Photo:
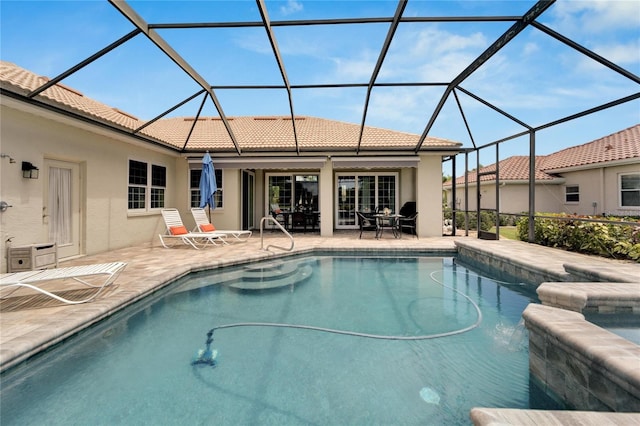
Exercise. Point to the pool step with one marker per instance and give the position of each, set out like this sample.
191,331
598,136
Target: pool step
260,276
288,275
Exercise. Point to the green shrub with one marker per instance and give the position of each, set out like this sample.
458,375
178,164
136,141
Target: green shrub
575,234
487,219
507,220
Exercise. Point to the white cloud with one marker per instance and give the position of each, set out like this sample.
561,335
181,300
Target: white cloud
625,55
608,28
596,15
403,108
435,55
628,53
253,42
530,48
291,7
357,69
436,42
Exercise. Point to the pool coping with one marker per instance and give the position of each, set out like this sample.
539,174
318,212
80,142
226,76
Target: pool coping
584,364
563,324
511,416
592,297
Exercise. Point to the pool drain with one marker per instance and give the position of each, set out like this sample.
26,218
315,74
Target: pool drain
429,396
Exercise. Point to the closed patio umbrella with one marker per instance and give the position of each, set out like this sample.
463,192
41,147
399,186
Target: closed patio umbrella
208,185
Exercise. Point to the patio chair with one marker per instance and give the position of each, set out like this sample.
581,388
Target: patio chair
177,231
409,224
204,225
106,272
366,224
280,215
299,221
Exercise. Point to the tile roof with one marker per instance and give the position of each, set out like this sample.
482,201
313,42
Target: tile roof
514,168
254,134
618,147
622,145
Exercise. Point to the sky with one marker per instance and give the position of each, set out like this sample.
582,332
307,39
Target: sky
535,79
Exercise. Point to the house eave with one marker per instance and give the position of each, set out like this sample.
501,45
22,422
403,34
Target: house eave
598,165
554,181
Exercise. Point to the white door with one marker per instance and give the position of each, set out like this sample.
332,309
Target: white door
61,212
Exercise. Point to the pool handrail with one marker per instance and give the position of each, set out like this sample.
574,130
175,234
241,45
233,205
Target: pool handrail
273,220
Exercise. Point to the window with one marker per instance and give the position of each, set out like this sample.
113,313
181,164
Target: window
387,193
280,192
147,186
158,185
194,187
364,193
630,190
572,194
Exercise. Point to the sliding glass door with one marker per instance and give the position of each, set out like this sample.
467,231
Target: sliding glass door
364,193
292,192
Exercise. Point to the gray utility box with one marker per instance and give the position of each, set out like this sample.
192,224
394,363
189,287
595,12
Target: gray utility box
32,257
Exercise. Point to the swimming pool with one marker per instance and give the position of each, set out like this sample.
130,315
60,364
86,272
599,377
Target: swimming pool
137,367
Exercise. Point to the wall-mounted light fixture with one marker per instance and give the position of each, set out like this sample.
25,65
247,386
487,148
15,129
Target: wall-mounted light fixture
29,171
11,160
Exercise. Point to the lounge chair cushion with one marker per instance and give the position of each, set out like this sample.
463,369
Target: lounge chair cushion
178,230
207,227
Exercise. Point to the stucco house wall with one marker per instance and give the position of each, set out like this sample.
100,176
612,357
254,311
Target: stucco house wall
102,160
597,185
104,222
590,186
611,197
514,197
227,217
612,201
429,196
599,189
594,167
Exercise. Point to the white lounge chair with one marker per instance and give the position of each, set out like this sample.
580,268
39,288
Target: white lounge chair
177,231
82,274
203,225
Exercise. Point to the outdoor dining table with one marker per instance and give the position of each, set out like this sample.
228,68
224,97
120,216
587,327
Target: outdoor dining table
391,221
311,219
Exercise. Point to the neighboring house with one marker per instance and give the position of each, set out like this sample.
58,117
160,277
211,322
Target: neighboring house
599,177
100,188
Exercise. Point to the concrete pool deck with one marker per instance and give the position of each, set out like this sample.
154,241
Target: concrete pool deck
32,323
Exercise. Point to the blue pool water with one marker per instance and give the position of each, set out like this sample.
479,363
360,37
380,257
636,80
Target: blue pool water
136,368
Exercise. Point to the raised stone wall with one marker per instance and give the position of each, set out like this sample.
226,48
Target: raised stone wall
486,260
585,365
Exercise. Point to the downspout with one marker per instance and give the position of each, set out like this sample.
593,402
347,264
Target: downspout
602,201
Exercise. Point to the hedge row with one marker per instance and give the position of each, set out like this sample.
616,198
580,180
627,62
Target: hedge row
573,233
487,219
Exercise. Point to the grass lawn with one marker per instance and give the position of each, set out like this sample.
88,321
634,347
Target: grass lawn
509,232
